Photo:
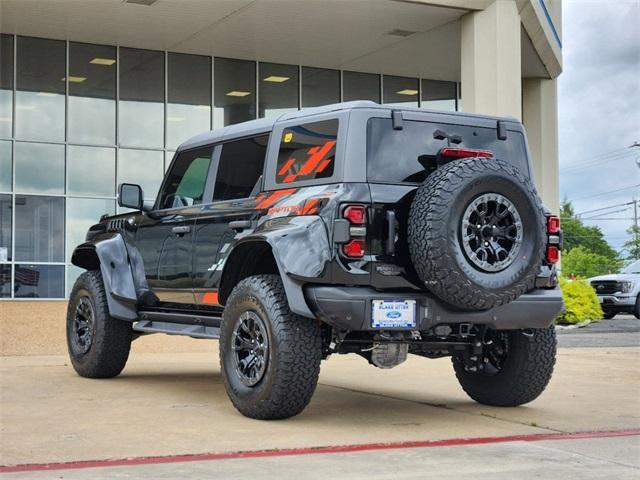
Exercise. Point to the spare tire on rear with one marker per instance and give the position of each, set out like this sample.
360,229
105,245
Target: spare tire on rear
476,233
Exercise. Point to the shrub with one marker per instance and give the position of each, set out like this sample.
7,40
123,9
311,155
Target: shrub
580,301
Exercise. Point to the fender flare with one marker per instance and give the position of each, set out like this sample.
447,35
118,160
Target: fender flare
301,249
110,254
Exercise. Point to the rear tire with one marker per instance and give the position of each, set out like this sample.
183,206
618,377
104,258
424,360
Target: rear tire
608,315
269,357
524,374
98,344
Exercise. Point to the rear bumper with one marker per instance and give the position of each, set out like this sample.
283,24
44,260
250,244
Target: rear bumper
349,308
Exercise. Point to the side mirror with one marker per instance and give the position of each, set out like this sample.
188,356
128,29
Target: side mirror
130,196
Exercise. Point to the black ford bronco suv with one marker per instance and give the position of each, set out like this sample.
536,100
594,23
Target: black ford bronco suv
351,228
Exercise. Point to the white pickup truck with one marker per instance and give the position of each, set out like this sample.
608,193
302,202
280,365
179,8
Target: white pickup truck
619,292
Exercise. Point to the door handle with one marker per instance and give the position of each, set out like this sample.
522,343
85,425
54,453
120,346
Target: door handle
239,224
181,230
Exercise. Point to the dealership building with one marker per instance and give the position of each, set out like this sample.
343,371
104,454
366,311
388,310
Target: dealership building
98,92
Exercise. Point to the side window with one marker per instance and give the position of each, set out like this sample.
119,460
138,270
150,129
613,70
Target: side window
187,178
241,164
307,151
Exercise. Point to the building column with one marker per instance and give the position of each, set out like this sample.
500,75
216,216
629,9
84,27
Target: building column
490,60
540,118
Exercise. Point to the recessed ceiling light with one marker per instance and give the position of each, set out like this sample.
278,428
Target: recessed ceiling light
46,94
398,32
73,79
407,91
276,79
103,61
5,119
203,107
140,2
25,107
175,119
237,93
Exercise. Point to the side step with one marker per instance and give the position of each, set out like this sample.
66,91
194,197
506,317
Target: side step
195,331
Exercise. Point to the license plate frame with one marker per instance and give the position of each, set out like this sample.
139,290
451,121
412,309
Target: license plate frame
394,313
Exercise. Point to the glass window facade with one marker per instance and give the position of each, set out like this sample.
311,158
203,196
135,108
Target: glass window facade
92,94
320,86
6,85
76,119
279,89
40,89
360,86
400,91
188,97
439,95
235,91
141,108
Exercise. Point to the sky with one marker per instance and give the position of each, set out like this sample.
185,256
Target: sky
599,111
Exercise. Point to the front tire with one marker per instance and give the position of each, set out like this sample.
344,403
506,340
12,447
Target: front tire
516,373
98,344
269,357
608,315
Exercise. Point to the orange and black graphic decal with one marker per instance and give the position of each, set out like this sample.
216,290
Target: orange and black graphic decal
266,200
309,164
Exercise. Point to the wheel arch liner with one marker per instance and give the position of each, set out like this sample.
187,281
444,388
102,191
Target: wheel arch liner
110,253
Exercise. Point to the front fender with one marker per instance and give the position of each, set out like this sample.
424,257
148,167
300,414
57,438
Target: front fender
109,252
300,246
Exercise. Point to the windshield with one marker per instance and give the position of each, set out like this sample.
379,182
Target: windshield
633,268
399,156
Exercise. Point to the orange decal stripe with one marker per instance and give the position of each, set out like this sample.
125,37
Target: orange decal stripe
210,298
323,165
310,207
274,197
286,166
313,161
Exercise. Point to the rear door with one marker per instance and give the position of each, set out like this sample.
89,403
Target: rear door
236,183
165,238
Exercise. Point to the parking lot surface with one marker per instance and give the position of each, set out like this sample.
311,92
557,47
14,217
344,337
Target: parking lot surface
175,404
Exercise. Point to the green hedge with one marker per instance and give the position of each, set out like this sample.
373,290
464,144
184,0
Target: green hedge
580,301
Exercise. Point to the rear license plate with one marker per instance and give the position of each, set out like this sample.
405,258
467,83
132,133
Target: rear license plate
393,313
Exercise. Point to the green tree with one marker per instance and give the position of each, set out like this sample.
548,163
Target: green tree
582,262
632,247
577,234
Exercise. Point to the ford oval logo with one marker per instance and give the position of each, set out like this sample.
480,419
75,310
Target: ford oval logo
394,314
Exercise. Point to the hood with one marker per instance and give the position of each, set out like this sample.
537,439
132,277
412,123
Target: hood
617,277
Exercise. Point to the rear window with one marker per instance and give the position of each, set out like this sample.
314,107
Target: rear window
307,151
398,156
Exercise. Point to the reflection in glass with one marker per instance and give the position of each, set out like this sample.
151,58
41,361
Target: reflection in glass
360,86
235,91
5,166
320,86
81,214
39,281
6,85
39,168
5,228
278,89
189,97
92,106
438,95
141,108
5,281
40,89
400,91
39,234
73,273
168,156
142,167
91,171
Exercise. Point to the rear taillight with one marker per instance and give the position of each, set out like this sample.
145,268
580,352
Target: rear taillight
465,152
553,224
356,215
553,254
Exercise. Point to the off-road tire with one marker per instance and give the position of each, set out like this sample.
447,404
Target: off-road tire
524,376
608,315
294,352
435,242
109,348
636,310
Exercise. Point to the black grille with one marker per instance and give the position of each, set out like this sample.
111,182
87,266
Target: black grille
606,287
